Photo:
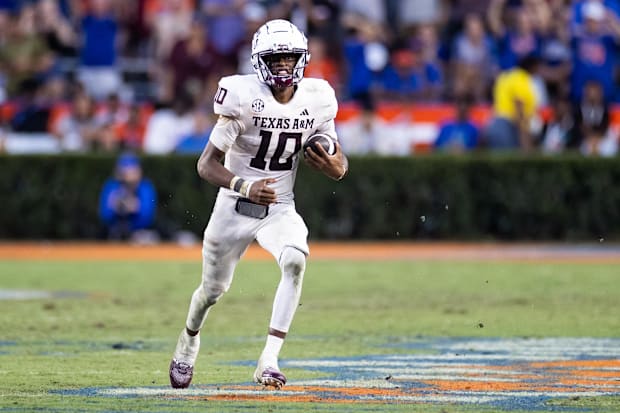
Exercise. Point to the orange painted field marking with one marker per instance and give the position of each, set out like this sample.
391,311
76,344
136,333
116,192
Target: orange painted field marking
81,251
599,385
597,373
579,363
485,386
497,386
308,394
554,376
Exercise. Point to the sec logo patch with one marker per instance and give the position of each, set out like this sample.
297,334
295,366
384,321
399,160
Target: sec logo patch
258,105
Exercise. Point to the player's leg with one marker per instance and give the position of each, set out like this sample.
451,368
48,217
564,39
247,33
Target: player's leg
217,274
286,238
292,264
219,261
223,245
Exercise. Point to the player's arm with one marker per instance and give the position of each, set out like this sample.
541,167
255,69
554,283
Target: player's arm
335,166
211,169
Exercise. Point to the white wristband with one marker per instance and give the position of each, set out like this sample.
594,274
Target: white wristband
245,188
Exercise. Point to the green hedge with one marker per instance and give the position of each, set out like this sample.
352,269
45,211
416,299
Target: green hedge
434,197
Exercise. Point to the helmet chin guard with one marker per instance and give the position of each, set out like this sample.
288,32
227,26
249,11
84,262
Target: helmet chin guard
278,37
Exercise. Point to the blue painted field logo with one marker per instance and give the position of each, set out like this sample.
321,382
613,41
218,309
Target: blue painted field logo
508,374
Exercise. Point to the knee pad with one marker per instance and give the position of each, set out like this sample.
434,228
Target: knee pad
293,263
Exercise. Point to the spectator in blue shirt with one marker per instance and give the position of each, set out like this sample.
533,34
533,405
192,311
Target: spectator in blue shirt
127,200
555,51
195,141
459,135
514,41
594,47
98,55
364,56
409,78
226,29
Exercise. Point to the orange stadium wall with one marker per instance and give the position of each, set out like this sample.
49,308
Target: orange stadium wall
412,128
404,129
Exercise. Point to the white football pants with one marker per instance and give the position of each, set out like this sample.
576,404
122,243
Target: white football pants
228,234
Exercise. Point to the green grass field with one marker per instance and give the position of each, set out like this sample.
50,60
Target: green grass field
120,333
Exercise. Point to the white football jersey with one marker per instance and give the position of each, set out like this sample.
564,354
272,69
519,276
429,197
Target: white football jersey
271,133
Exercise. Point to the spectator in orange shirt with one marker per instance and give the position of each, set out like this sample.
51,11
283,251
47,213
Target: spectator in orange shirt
130,134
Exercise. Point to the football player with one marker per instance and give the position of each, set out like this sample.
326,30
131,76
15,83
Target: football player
263,124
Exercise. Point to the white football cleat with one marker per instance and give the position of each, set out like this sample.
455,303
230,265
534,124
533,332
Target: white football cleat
269,375
182,364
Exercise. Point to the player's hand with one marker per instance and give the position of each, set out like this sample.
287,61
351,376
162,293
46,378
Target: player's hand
330,165
262,193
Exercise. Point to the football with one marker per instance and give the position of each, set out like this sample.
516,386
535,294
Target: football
321,139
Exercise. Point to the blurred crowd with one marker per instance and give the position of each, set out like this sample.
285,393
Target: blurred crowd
114,75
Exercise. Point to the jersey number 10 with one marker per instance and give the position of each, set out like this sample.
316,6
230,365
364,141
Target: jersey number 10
276,163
